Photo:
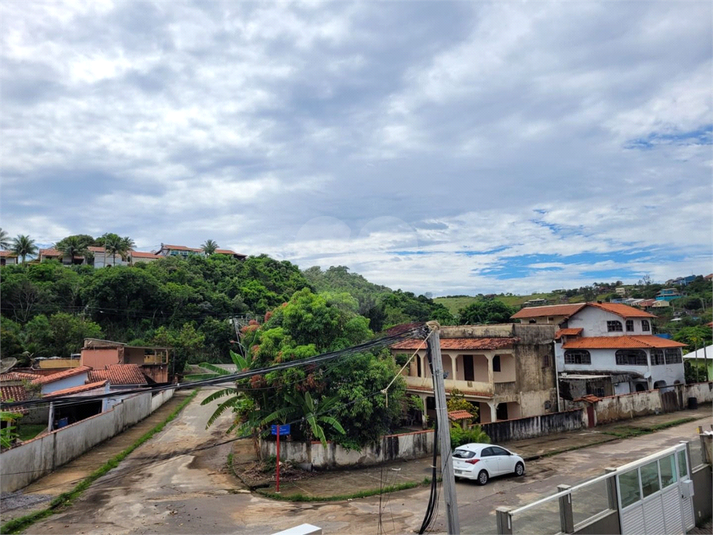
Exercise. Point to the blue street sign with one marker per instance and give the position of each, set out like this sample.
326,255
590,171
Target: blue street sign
284,429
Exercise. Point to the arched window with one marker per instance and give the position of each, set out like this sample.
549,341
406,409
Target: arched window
577,356
631,357
496,363
645,326
630,326
614,326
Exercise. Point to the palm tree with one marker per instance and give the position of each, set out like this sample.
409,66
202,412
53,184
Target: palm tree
4,240
112,245
209,247
23,246
72,246
126,245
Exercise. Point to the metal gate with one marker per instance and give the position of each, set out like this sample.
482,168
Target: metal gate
655,494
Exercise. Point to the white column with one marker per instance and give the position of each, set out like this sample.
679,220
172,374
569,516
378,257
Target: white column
493,411
453,366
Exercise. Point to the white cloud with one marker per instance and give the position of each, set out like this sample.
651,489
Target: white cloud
314,132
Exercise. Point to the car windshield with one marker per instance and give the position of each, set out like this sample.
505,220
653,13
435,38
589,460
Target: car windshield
463,454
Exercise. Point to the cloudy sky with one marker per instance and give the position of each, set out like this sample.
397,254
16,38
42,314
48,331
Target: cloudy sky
432,146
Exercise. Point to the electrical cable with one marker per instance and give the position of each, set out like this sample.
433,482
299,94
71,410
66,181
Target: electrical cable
388,339
431,508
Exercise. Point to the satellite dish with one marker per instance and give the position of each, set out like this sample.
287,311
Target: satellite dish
6,364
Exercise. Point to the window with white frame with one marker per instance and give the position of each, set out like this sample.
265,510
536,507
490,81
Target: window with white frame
631,357
645,326
577,356
614,326
630,326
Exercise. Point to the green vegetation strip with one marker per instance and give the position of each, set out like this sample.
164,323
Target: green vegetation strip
633,431
66,498
342,497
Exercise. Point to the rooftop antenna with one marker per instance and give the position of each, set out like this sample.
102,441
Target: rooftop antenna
7,363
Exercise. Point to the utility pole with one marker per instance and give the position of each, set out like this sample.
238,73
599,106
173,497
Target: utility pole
444,430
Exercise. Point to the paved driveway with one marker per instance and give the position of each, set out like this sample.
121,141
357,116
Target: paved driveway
178,483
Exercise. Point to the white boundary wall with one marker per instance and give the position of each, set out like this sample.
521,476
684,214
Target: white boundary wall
22,465
313,455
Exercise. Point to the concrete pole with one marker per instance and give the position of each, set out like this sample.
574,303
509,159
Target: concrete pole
444,430
50,424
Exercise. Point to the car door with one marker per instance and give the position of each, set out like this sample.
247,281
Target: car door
489,462
505,462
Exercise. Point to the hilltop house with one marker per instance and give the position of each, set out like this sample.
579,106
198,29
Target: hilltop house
7,258
98,257
184,252
668,294
507,371
606,349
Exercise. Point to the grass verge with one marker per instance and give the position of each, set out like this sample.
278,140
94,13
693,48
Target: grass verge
635,431
66,498
342,497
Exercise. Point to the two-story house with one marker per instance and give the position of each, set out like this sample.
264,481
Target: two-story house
606,349
668,294
184,252
507,371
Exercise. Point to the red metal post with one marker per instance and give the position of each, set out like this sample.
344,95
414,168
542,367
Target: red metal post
277,464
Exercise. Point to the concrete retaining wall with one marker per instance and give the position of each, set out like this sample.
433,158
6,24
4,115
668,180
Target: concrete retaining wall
313,455
22,465
535,426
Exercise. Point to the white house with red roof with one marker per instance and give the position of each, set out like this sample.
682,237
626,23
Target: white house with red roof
184,252
607,348
62,380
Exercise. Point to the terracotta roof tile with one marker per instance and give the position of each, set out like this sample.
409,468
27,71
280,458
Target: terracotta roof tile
548,310
47,379
141,254
50,252
568,332
17,376
8,254
14,393
621,342
76,389
182,248
459,415
625,311
228,252
452,344
120,374
589,398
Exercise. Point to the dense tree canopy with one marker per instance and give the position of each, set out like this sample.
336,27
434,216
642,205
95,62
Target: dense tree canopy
189,303
486,312
350,387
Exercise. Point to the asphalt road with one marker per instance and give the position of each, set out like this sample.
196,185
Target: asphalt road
178,483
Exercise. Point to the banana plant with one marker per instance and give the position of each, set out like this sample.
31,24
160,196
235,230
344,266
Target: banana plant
235,396
314,414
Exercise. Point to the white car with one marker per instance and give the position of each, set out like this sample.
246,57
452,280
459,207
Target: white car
483,461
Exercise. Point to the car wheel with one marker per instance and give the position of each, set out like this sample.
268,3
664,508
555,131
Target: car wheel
482,477
519,469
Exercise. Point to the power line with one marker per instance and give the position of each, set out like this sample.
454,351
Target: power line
408,331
